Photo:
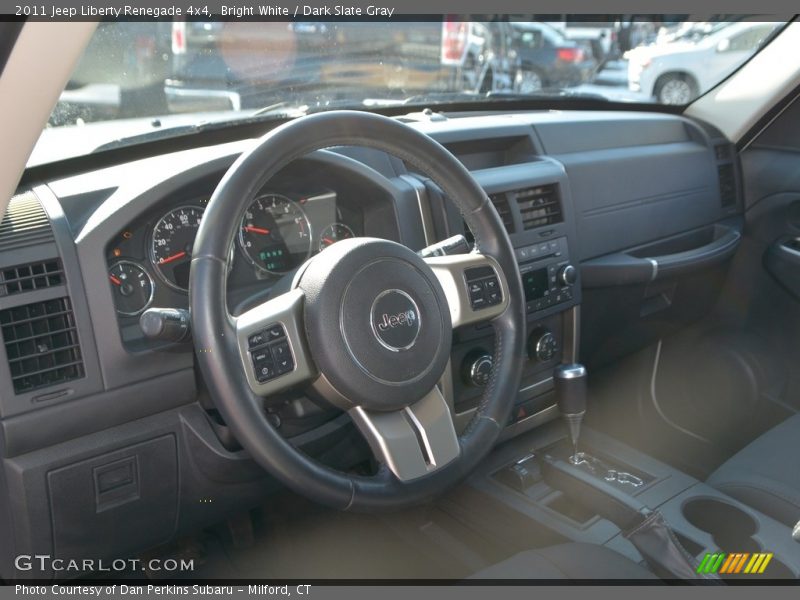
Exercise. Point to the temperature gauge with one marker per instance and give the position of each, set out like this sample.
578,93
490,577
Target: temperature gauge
335,232
132,287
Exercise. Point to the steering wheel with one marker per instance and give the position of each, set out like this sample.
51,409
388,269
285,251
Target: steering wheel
367,323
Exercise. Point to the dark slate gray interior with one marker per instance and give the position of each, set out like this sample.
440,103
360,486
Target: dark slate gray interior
687,272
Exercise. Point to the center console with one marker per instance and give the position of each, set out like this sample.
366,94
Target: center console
532,197
514,483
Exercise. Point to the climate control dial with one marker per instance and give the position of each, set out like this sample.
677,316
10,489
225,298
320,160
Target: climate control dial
542,345
477,368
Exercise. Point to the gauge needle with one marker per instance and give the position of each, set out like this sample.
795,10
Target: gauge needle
115,280
260,230
172,258
328,240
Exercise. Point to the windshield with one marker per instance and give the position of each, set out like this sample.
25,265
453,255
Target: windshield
143,80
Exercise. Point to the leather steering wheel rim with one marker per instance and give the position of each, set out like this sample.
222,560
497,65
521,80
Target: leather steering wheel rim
214,329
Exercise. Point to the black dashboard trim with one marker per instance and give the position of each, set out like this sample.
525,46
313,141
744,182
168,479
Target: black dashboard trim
67,421
248,129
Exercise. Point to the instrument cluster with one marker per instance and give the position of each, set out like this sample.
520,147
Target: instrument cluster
149,263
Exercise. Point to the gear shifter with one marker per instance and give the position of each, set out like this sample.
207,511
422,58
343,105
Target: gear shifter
570,385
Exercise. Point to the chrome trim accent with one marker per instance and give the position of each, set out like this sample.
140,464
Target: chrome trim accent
151,249
446,386
535,420
653,262
285,310
450,271
240,235
414,441
149,278
789,249
572,328
569,371
535,385
377,335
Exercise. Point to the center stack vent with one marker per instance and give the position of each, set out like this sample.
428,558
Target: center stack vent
503,208
540,206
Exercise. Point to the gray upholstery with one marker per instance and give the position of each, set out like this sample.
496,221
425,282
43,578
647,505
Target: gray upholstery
766,473
566,561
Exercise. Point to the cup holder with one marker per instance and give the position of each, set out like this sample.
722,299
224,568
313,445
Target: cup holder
732,530
730,527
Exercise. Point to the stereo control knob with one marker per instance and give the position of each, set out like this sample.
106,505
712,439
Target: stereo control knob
477,368
542,345
567,275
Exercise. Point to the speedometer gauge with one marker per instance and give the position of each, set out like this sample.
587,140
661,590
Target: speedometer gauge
275,234
171,249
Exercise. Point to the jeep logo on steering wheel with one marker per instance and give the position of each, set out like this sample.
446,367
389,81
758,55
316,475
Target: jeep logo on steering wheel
404,318
395,320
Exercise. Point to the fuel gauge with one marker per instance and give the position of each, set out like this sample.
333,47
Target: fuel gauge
132,287
335,232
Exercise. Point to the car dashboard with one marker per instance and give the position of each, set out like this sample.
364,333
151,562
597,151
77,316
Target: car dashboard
621,224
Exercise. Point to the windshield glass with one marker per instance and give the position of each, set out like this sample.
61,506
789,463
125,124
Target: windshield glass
144,80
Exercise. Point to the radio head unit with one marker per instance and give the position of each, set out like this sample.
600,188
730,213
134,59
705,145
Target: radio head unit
547,275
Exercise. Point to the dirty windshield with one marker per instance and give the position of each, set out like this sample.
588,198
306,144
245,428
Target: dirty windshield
142,80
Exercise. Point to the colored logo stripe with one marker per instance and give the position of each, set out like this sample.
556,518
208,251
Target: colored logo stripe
737,562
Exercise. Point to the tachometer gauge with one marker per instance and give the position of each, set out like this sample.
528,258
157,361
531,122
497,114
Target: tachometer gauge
335,232
171,250
131,286
275,234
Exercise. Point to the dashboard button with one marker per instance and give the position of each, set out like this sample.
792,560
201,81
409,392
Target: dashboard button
262,356
257,339
283,358
275,333
265,372
477,295
478,302
280,351
284,366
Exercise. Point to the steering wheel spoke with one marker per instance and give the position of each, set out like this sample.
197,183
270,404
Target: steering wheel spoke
474,284
272,346
414,441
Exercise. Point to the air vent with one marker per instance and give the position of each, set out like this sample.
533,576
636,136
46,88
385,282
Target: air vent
727,184
42,345
500,202
32,276
540,206
25,223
